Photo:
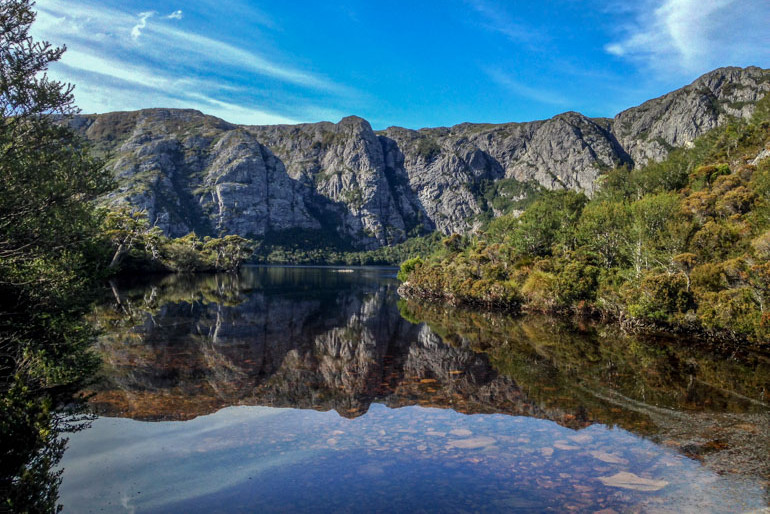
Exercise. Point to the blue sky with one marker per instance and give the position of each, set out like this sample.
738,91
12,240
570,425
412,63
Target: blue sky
406,63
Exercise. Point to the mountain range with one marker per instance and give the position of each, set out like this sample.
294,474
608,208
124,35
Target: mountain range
363,189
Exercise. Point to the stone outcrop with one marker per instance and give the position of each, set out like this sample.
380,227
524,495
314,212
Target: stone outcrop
364,189
648,132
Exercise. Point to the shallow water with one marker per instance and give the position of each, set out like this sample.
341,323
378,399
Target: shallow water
309,389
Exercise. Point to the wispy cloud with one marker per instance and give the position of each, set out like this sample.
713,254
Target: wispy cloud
530,92
146,455
105,93
497,19
143,17
692,36
121,62
205,47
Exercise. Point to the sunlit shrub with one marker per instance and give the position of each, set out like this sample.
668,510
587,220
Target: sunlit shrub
541,289
407,267
660,296
736,310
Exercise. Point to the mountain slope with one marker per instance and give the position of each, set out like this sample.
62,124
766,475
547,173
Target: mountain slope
365,189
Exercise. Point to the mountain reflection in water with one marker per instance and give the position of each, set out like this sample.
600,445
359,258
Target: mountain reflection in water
181,347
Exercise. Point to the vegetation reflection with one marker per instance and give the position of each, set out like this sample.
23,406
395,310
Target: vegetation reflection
186,346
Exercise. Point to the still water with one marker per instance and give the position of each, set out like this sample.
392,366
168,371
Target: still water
316,389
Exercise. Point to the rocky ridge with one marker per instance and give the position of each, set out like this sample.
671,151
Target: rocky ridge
364,189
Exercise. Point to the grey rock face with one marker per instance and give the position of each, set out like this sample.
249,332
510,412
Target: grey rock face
648,132
367,189
192,172
344,165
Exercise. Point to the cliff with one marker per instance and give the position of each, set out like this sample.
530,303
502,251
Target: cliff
364,189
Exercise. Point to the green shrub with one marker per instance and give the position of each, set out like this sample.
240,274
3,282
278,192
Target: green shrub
541,289
407,267
660,296
736,310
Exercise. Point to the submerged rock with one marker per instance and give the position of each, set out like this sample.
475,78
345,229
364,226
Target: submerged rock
626,480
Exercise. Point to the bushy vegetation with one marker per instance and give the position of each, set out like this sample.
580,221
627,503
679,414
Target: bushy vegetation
51,252
315,249
138,246
427,148
680,244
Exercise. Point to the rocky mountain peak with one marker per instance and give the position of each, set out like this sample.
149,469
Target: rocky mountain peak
365,189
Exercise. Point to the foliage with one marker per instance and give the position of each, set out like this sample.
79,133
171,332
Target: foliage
51,250
545,226
680,243
316,249
138,246
407,267
427,148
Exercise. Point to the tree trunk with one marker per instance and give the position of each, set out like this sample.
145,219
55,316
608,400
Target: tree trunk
116,258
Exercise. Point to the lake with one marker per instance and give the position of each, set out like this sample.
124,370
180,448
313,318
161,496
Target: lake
289,389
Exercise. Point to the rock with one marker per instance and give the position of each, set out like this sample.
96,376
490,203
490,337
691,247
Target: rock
474,442
366,189
625,480
649,131
608,457
761,156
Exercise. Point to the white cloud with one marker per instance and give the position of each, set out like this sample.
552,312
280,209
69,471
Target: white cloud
237,113
171,67
143,17
167,43
615,49
176,15
693,36
205,47
496,19
102,89
530,92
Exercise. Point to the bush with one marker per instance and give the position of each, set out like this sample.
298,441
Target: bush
736,310
577,282
541,289
715,241
661,297
407,267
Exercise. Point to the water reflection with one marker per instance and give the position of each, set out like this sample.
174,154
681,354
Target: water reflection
183,347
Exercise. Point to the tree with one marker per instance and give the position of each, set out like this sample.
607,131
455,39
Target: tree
231,251
656,232
50,250
47,176
126,228
548,223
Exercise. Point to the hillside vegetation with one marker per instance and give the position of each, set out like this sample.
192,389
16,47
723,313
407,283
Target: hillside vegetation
682,244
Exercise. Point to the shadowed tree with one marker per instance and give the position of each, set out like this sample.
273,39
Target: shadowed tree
50,252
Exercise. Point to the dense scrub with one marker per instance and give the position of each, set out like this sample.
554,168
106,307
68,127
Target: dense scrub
682,244
137,246
309,250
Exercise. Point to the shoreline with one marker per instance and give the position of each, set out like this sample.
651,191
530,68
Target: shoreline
722,341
